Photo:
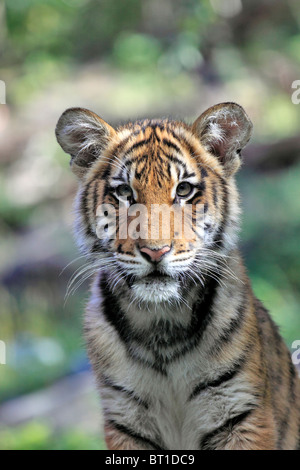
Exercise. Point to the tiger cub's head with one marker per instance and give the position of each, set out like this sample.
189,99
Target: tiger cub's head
135,181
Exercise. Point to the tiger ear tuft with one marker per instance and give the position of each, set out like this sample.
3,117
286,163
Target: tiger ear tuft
83,135
224,130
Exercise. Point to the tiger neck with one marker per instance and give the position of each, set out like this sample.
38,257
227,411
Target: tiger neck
159,323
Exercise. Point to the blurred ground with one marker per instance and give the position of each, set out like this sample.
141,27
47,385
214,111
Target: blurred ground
126,60
70,404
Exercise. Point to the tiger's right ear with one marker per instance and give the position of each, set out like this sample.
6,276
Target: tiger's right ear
83,135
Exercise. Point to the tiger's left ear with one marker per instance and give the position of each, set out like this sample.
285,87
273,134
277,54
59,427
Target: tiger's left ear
224,130
83,135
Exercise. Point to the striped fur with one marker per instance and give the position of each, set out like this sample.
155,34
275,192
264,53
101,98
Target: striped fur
184,355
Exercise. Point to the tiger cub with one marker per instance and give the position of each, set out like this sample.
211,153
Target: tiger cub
184,355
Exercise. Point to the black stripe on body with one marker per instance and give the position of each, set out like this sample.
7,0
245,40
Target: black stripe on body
279,383
138,437
117,318
283,427
95,199
84,210
218,239
234,326
225,377
165,334
109,383
209,441
293,377
215,193
157,364
285,420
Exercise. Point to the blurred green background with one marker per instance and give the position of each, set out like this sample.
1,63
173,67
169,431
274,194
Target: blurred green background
124,60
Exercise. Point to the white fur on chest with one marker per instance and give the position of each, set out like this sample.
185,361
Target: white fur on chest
172,414
183,421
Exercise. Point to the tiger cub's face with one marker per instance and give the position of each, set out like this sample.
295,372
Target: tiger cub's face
156,197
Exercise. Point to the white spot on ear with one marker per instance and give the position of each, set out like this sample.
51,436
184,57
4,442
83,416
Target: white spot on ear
216,132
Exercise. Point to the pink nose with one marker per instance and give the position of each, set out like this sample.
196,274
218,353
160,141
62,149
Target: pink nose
155,255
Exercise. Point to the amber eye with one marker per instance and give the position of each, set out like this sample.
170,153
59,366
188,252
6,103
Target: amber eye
184,189
124,191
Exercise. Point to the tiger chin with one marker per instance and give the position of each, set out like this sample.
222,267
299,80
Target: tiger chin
184,355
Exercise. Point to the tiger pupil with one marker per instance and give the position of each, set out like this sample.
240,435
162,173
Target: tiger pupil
183,189
124,190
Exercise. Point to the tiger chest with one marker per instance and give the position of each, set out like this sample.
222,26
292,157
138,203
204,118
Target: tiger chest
174,419
177,420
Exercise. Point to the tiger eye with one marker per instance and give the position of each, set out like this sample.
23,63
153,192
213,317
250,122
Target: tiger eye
124,191
184,189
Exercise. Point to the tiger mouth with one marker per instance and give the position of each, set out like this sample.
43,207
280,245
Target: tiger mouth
156,278
157,275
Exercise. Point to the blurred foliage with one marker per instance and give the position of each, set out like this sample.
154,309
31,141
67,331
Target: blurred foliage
270,236
39,436
127,59
42,339
251,44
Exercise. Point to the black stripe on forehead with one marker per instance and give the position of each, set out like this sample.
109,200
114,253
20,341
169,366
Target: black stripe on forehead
204,173
113,153
183,141
130,159
159,169
140,170
120,146
122,171
188,175
171,145
176,160
155,132
137,145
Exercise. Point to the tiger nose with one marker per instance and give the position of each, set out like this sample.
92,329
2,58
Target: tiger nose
154,255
